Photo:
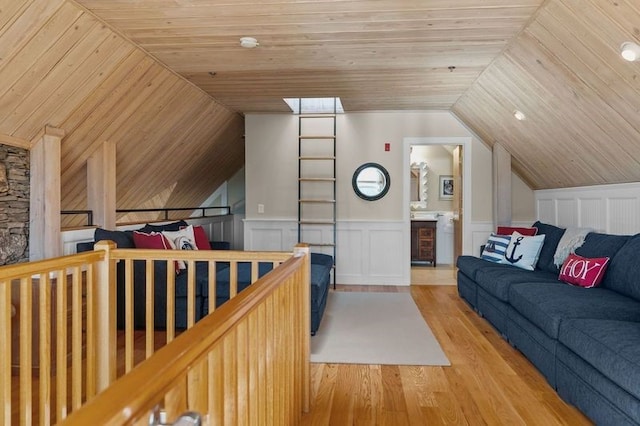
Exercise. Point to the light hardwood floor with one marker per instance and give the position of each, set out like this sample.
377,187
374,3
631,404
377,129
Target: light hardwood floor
488,382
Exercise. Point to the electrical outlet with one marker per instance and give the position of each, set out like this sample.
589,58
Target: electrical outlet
260,208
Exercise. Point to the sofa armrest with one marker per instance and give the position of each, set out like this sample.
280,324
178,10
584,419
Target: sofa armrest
85,246
220,245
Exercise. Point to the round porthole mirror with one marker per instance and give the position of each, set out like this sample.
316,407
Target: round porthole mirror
371,181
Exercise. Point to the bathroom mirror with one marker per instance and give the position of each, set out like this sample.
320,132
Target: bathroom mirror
371,181
418,180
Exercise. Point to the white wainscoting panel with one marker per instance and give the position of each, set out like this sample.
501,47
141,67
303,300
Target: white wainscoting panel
367,252
614,209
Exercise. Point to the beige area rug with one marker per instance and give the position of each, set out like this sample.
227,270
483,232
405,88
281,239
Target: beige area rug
375,328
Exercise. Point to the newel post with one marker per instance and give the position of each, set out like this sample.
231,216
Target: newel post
106,339
303,250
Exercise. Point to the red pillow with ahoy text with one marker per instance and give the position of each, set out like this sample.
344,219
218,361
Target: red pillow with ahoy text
582,271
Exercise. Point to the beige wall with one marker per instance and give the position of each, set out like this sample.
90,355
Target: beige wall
272,169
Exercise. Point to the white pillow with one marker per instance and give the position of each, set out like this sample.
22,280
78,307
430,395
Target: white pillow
183,239
523,251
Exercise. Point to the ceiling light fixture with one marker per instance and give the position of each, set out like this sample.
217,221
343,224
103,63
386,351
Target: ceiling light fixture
248,42
519,115
630,51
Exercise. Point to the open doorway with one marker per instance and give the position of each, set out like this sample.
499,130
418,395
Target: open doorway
435,199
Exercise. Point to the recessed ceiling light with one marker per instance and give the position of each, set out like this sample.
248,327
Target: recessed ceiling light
248,42
630,51
519,115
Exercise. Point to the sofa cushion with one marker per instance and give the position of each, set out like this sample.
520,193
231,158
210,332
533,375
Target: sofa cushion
547,304
552,238
173,226
123,239
612,347
320,278
496,281
601,245
622,275
322,259
223,272
470,265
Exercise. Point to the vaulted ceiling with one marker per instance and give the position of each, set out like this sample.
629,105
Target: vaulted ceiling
167,81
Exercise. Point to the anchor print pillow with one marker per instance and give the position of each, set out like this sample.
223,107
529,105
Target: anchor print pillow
523,251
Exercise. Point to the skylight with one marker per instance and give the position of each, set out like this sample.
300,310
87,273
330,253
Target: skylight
315,105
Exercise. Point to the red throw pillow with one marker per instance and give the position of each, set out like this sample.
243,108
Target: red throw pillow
508,230
583,272
154,240
202,241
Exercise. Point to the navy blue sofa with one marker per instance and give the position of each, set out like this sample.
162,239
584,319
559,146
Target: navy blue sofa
321,265
585,341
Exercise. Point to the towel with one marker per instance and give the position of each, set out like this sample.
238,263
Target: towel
570,241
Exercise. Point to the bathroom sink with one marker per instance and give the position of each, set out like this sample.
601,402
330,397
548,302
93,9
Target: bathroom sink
424,215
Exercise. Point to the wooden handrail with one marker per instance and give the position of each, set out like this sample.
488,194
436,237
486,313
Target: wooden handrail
63,315
130,399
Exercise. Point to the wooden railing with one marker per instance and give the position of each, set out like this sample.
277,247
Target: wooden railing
59,335
245,364
47,337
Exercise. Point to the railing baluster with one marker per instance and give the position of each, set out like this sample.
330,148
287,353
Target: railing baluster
76,338
44,308
150,290
61,346
6,312
171,300
90,332
26,326
129,347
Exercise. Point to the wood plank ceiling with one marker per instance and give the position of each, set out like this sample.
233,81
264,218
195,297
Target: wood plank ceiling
374,54
61,66
154,76
556,60
564,71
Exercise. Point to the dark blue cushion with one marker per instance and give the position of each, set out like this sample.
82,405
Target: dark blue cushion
612,347
320,278
546,305
123,239
496,281
244,277
173,226
551,240
470,265
322,259
623,274
601,245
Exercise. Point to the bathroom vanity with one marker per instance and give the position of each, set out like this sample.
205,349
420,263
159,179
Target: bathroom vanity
423,241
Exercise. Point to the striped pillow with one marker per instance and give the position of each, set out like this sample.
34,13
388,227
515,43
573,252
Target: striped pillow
495,248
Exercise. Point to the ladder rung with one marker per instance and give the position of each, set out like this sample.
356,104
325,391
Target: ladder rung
308,200
317,137
316,222
317,179
317,158
319,115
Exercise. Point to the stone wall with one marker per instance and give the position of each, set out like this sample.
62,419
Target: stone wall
14,205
